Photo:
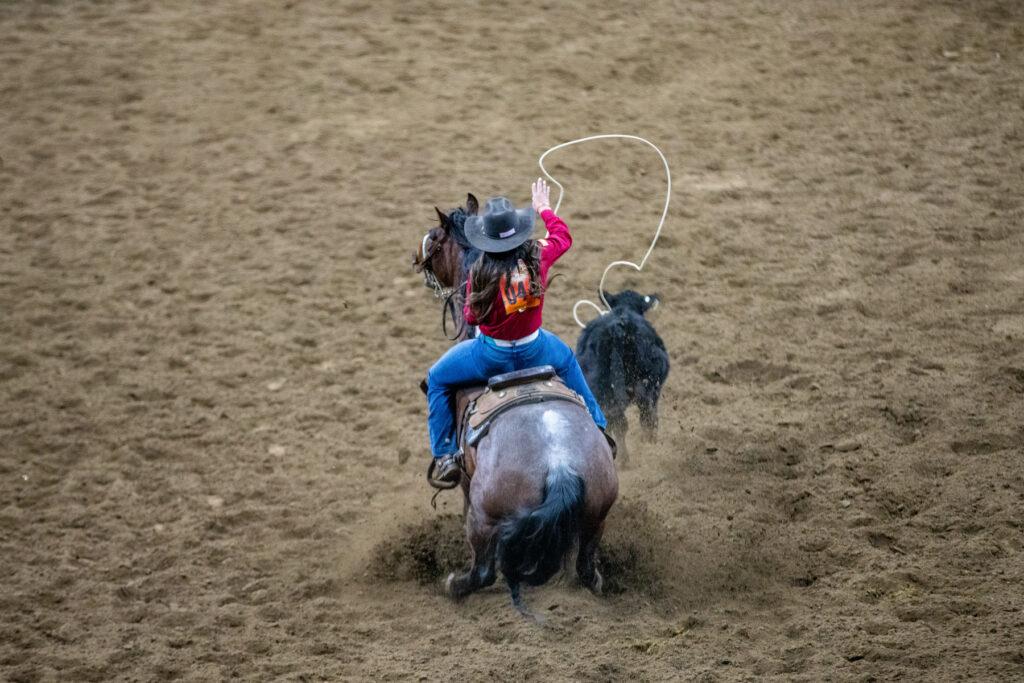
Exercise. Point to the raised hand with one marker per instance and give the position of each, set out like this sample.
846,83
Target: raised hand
541,195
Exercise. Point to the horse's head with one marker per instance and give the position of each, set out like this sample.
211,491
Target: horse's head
440,251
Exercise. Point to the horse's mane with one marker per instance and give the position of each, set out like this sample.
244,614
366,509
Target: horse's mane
457,218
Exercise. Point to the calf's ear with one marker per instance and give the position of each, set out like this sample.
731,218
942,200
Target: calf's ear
612,299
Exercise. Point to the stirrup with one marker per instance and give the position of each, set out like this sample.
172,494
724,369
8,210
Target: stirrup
442,485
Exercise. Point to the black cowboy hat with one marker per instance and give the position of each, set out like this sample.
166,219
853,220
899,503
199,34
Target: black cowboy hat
502,227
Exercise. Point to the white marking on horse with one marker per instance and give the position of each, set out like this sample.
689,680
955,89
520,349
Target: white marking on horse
556,426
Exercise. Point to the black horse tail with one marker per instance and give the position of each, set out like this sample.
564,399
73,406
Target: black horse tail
533,545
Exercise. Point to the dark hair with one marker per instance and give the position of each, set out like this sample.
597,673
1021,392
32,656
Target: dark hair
486,273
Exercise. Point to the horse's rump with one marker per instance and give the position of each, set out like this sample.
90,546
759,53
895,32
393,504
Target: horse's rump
476,407
544,480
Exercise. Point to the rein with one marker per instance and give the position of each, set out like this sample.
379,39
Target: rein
440,291
449,307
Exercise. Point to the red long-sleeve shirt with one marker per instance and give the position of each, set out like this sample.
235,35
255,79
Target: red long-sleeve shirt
522,323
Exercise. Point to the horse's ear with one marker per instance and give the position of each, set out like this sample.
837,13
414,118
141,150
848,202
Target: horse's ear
472,205
441,216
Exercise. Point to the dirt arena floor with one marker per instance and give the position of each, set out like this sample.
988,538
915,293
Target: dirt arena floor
211,440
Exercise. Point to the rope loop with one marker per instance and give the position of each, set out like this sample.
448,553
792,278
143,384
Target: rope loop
664,212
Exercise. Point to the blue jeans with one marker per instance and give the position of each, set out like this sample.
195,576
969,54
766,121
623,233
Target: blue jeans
474,361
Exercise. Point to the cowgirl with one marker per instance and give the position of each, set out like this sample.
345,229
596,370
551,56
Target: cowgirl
505,298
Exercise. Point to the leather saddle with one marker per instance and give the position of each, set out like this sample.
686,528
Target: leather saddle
532,385
476,407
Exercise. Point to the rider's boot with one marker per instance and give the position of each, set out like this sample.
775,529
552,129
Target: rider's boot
449,468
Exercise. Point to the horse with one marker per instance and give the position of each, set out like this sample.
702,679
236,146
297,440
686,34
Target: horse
541,479
443,258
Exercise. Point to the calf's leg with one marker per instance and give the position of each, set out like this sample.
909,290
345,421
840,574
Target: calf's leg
647,403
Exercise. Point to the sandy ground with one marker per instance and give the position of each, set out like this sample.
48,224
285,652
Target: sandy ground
211,440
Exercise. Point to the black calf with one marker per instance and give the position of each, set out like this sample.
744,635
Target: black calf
624,361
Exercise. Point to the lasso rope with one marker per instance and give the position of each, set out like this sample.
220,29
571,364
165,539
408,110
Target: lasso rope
657,233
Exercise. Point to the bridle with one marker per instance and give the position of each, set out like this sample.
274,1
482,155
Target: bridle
424,265
446,294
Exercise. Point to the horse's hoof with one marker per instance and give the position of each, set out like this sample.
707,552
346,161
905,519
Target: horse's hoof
598,584
448,584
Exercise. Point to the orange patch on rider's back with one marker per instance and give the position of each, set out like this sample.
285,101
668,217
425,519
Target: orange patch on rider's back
516,295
